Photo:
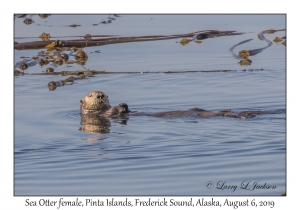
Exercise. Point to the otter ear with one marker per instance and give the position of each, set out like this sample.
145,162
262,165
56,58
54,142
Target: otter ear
81,102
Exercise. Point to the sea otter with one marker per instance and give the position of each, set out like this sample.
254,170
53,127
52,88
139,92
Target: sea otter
97,103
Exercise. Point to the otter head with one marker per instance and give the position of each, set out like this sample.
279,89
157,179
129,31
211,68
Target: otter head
95,102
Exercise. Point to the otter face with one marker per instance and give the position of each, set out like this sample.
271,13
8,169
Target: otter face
95,102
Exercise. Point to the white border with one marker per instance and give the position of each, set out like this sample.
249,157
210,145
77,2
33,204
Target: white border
8,201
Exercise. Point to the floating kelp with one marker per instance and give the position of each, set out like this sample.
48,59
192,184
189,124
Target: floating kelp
81,55
58,58
48,53
49,70
61,43
113,40
17,73
245,62
262,37
43,62
61,52
54,84
238,56
74,25
28,21
277,39
64,56
246,53
82,74
69,81
21,16
212,34
27,17
59,61
53,57
87,36
45,37
198,37
25,64
271,31
81,62
43,16
74,49
184,41
58,45
51,46
90,73
69,62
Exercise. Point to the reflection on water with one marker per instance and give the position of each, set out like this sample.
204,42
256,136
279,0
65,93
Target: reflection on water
59,152
98,124
95,124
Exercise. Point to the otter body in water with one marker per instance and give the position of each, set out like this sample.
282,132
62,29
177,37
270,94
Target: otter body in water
97,103
200,113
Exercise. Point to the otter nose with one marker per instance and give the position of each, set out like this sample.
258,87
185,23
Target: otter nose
100,95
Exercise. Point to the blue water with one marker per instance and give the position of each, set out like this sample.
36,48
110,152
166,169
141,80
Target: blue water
147,155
